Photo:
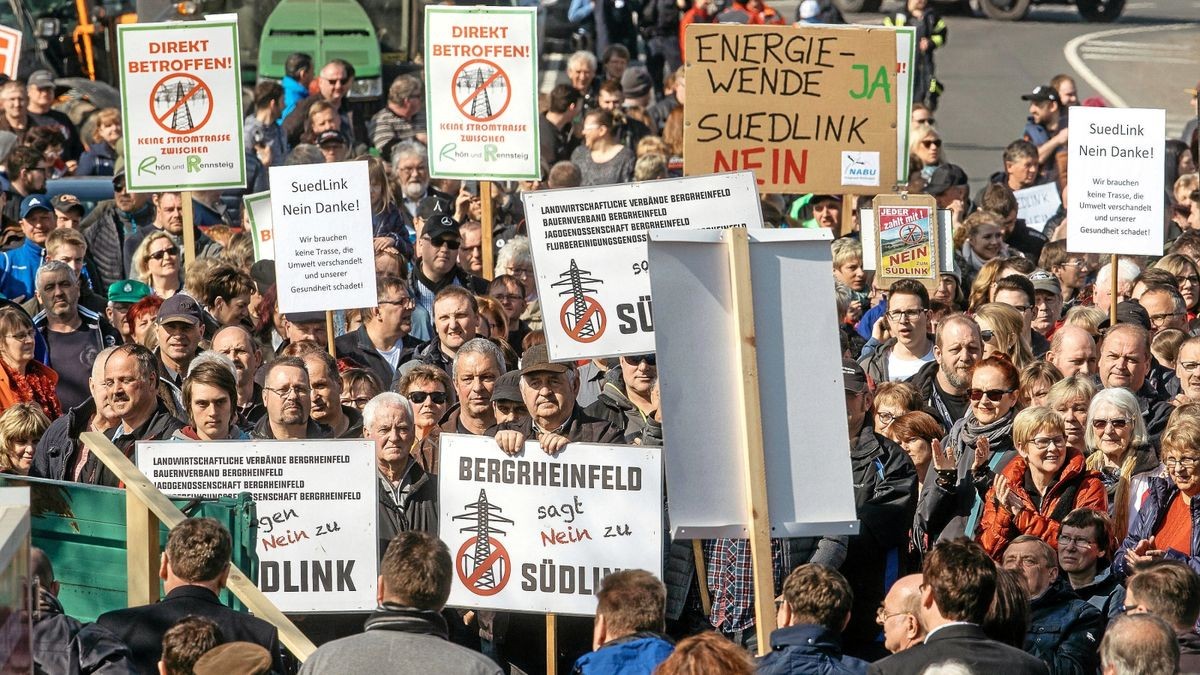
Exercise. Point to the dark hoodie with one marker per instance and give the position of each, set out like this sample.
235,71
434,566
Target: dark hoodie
1065,631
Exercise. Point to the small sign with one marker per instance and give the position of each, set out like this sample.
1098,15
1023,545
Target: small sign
258,213
907,238
10,51
1037,205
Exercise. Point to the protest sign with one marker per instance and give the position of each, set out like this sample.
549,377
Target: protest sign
1115,185
481,92
258,214
804,431
945,249
10,51
316,510
1037,205
589,254
536,532
907,240
807,108
321,225
181,106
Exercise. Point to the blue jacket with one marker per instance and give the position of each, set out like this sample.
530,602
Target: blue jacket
808,649
18,270
293,93
1065,631
1149,519
637,654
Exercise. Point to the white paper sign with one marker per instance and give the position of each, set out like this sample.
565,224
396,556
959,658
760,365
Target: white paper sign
258,213
1115,185
481,92
316,505
1037,205
181,106
538,533
321,218
10,51
589,254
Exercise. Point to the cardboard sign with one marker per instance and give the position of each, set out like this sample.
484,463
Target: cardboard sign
589,254
866,221
808,109
321,216
258,214
181,106
538,533
808,477
481,92
10,51
907,238
1115,185
1037,205
316,509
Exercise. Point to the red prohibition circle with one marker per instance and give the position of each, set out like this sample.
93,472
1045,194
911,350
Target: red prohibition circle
499,555
573,332
464,103
197,85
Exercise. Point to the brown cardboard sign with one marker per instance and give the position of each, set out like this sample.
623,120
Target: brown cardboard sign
906,238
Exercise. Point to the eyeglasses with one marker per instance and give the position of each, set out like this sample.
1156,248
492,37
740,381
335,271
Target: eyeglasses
1044,443
23,336
905,315
337,80
1022,308
521,271
420,168
648,359
991,394
935,143
987,335
159,255
359,402
418,397
1188,463
1117,423
508,297
1077,542
886,417
882,615
298,391
406,303
1156,319
451,244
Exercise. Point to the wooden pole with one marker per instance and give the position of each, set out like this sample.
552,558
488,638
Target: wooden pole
1112,305
142,560
702,577
189,231
551,644
329,334
848,202
485,197
748,416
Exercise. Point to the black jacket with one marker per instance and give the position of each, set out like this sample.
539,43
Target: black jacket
580,427
414,509
105,229
357,347
64,646
142,628
263,431
614,405
1065,631
56,449
965,643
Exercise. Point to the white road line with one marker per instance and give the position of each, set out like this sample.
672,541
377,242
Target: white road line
1071,52
1140,5
1133,59
1139,45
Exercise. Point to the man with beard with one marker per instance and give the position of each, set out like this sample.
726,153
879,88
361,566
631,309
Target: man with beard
288,397
238,344
436,267
944,383
456,320
383,341
131,378
59,454
410,166
107,227
334,83
168,217
27,176
73,334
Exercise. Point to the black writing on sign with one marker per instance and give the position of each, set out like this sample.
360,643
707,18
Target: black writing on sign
306,576
549,577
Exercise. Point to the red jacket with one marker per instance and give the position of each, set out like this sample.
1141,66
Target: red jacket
998,527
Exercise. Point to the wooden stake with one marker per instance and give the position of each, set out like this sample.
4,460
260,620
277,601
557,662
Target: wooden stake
189,232
749,420
485,197
702,577
848,202
329,334
1112,304
142,560
551,644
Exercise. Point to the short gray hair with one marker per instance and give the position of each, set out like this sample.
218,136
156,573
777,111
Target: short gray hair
387,399
516,250
582,56
56,266
409,149
479,346
1139,644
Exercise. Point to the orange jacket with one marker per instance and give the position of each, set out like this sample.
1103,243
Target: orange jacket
998,527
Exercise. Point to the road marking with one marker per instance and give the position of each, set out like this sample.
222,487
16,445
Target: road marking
1140,45
1140,5
1071,52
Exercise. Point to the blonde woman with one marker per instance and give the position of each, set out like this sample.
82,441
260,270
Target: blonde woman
157,263
926,148
21,427
1120,450
1002,331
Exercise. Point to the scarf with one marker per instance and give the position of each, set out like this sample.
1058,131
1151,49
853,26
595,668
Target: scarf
35,387
963,437
391,616
974,262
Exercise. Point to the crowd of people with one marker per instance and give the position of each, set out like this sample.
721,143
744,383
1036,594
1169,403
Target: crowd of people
1024,468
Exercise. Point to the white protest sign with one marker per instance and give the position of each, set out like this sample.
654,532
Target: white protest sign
10,51
805,447
536,532
258,213
1115,185
481,92
589,254
1037,205
321,223
181,106
316,507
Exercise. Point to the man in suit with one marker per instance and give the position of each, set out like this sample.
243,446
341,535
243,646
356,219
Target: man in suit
194,569
960,581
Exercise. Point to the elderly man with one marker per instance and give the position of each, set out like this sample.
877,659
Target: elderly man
68,245
1125,362
478,364
1073,350
1047,303
437,265
334,84
59,453
238,344
1140,643
73,334
288,397
384,339
395,122
899,615
456,320
19,266
407,493
131,378
1127,272
1166,308
944,384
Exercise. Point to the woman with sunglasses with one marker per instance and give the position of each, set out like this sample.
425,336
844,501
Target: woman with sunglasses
428,389
1121,452
156,263
926,148
1057,474
1002,330
23,379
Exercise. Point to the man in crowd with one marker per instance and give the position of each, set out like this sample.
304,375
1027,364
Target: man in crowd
507,404
437,265
73,334
1017,292
814,611
910,346
394,122
109,224
960,581
1082,555
1069,268
1020,166
131,377
40,90
414,584
303,327
326,406
899,615
195,567
334,84
626,130
26,176
1139,643
18,267
554,126
1046,128
456,320
180,326
944,384
67,245
1170,590
209,394
1064,631
470,253
1187,372
59,453
1047,303
383,341
478,364
168,217
1125,362
629,625
1073,350
407,489
288,398
1166,308
510,293
1127,273
239,345
624,398
950,188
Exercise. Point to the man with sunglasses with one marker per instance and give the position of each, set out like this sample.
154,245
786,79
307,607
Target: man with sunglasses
334,84
384,340
437,267
625,395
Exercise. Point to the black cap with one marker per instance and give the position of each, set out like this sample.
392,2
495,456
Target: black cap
305,317
945,177
439,227
1041,94
1129,311
430,207
180,307
853,377
65,202
508,387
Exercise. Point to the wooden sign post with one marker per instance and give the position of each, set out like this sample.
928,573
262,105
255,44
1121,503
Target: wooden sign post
489,217
1112,298
189,233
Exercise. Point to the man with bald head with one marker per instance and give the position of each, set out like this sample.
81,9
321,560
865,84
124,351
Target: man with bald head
1073,350
898,614
944,382
1125,361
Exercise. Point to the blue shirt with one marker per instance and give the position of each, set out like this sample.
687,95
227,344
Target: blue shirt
18,270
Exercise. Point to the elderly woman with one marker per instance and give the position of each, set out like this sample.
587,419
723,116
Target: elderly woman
893,399
1002,331
1164,527
21,427
210,399
22,379
1056,474
157,262
1121,451
429,390
1071,398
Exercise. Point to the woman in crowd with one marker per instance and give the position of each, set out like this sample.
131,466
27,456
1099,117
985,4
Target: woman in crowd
140,318
428,389
1187,279
602,160
1071,398
23,379
1055,471
984,241
1002,331
21,427
359,385
916,432
156,263
100,159
1121,452
210,399
386,222
893,399
493,322
1036,380
926,147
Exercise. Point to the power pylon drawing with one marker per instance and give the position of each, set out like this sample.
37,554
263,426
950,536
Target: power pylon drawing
483,514
179,99
481,105
574,280
182,114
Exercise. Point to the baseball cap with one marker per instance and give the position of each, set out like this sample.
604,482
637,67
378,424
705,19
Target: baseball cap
433,206
305,317
66,203
853,377
331,136
127,290
1045,282
263,274
180,307
1129,311
32,203
242,658
508,387
42,79
945,177
537,360
440,226
1041,94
